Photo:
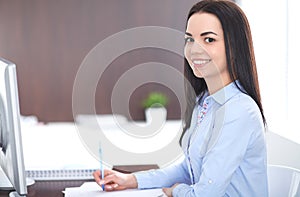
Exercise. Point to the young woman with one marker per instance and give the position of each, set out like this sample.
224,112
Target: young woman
223,136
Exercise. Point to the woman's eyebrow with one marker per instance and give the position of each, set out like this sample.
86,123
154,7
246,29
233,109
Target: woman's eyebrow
188,34
202,34
208,32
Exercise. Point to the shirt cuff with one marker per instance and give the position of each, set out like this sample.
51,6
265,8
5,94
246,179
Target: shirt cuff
180,189
144,180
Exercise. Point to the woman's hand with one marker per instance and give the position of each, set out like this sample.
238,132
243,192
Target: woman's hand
168,191
114,180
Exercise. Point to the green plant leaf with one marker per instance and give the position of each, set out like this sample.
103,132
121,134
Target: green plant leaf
155,99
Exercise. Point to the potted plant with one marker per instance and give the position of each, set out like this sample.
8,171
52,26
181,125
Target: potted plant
155,106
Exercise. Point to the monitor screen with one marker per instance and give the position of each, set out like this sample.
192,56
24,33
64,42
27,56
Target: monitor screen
11,155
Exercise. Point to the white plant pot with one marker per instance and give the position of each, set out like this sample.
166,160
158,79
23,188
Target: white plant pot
156,114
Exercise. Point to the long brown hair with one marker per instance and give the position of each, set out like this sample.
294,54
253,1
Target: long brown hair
239,55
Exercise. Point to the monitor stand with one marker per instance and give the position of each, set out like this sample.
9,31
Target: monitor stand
4,181
6,185
15,194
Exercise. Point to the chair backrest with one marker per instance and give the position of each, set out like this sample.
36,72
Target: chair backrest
282,151
283,181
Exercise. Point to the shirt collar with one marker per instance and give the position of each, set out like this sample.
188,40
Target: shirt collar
224,94
200,102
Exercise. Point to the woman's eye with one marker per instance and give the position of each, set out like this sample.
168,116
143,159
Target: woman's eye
189,39
209,40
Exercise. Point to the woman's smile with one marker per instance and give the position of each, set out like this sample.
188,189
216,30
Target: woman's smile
198,63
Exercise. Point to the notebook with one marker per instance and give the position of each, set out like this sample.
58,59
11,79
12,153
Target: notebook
93,189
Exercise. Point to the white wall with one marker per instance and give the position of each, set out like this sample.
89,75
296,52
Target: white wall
276,29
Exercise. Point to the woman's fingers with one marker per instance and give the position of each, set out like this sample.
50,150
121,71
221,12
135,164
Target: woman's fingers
114,180
97,175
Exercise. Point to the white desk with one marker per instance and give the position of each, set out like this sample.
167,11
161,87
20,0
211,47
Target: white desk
55,146
60,146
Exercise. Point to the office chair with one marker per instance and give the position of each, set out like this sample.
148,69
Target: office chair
283,181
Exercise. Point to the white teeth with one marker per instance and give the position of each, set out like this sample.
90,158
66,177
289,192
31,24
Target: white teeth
200,61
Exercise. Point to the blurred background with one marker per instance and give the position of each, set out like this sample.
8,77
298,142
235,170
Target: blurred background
48,40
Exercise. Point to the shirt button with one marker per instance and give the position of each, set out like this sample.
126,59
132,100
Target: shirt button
210,181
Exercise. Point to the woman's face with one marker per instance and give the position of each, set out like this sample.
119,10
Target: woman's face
205,48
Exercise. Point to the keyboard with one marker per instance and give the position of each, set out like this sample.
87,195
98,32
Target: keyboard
69,174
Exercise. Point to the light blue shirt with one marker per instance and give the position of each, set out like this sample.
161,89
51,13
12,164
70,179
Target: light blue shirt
225,155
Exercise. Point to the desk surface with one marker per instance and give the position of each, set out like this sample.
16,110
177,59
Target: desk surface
47,188
55,188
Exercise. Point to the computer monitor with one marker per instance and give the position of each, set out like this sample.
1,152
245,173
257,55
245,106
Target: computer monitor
11,152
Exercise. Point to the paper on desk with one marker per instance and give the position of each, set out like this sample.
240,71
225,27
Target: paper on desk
89,189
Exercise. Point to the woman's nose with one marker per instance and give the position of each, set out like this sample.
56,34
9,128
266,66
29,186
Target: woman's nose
196,47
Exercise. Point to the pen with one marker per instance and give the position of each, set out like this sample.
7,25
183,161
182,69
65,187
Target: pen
101,164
